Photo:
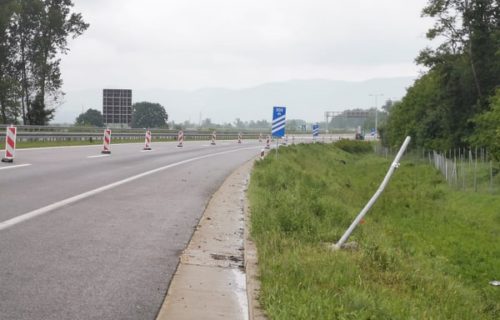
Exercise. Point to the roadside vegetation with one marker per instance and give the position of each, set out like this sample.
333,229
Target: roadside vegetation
425,250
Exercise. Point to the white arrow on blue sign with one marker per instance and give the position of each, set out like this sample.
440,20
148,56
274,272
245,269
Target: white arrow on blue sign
279,121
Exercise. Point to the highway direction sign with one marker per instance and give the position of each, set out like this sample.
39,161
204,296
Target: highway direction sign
279,121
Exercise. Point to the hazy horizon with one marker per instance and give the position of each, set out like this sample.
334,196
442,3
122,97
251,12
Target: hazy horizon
305,99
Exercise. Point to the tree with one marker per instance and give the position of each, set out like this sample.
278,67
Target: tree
464,71
470,29
9,86
40,29
239,124
149,115
488,128
91,117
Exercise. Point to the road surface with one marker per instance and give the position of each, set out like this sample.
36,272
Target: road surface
88,236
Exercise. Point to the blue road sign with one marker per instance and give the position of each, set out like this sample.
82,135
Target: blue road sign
315,130
279,121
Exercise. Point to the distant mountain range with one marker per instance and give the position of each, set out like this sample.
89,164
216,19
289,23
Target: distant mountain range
305,99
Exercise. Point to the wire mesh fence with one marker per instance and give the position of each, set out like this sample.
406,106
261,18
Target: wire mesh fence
467,169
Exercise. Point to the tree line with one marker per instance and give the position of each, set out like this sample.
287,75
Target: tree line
456,103
144,115
33,36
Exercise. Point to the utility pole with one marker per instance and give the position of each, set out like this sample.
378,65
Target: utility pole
376,95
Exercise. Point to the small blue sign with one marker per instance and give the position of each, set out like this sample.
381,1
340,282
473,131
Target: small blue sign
315,130
279,121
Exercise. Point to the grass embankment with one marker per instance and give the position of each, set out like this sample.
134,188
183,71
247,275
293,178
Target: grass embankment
426,251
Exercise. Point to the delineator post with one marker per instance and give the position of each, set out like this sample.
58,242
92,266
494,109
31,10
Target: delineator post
10,144
106,142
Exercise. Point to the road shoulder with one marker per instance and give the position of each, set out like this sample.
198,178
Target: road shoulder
210,281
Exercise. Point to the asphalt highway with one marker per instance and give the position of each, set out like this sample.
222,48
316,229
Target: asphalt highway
89,236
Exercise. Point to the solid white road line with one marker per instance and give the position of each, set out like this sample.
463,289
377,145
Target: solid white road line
32,214
16,166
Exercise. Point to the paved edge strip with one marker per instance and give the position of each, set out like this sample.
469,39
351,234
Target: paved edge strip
32,214
250,262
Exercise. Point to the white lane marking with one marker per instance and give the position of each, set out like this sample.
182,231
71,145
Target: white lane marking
32,214
16,166
98,156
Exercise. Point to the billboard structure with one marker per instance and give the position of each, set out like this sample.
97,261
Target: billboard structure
117,107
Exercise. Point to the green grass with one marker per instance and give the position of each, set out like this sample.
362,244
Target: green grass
426,251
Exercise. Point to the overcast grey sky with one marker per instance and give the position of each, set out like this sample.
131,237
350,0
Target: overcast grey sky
190,44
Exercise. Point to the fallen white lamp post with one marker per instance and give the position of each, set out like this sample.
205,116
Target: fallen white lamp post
374,198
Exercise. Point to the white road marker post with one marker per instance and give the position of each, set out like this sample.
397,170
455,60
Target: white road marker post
180,139
106,142
268,142
214,138
354,224
147,140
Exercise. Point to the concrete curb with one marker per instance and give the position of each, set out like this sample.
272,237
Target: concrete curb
210,282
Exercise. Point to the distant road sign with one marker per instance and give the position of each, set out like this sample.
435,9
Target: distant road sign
279,121
315,130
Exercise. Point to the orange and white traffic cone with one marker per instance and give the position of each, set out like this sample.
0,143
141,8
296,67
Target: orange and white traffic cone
147,141
214,137
106,142
10,144
180,139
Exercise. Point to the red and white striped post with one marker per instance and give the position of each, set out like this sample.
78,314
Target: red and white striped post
214,137
106,141
180,139
239,137
268,142
10,144
260,137
147,140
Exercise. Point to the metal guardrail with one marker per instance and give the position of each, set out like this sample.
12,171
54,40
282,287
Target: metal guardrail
56,133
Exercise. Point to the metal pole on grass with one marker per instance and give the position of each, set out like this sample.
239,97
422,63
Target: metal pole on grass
277,147
394,165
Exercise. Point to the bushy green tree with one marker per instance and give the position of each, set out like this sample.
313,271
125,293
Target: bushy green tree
91,117
464,71
487,132
9,86
149,115
36,34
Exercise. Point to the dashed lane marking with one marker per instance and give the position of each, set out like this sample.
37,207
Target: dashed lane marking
38,212
16,166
